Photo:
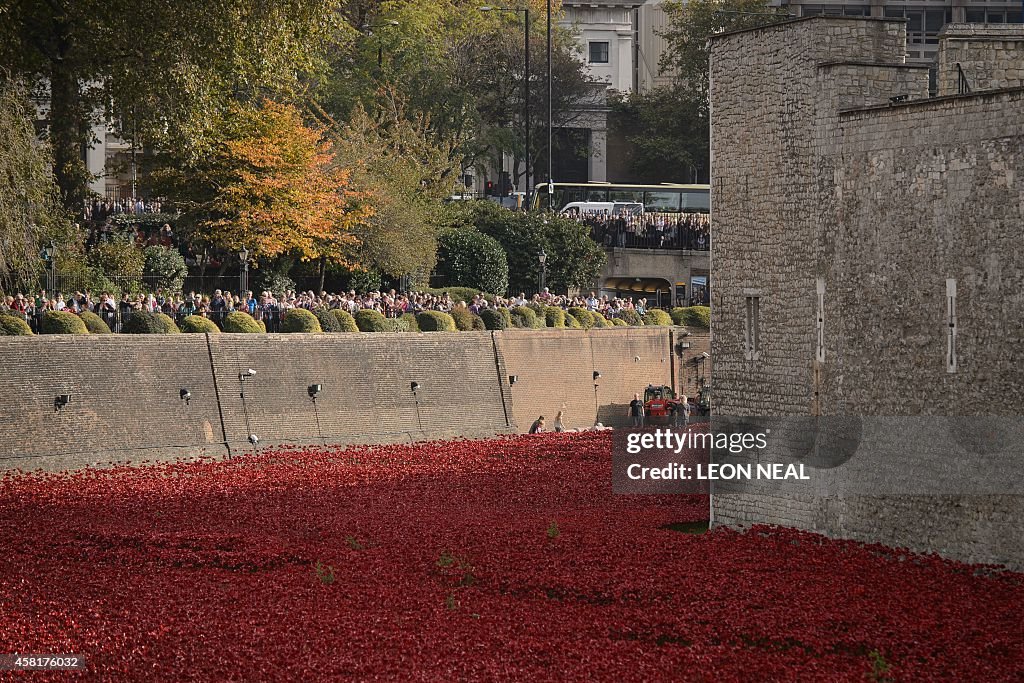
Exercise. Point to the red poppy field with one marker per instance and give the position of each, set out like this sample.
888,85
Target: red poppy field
485,560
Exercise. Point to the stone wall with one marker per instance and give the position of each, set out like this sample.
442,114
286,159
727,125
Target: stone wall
991,56
821,183
555,369
126,404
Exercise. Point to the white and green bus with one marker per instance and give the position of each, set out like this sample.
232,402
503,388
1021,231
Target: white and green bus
661,198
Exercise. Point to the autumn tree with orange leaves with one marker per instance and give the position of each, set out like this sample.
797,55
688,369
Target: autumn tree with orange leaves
273,185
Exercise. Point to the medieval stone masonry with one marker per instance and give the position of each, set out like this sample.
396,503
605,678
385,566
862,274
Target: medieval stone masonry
868,256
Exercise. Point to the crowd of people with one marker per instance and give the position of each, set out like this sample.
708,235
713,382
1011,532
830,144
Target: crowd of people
690,231
98,210
269,306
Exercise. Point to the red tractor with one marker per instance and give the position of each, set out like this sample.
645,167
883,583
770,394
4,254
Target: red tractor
660,401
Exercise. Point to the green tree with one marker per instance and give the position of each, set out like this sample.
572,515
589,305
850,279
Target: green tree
690,25
156,70
573,259
30,212
469,258
668,127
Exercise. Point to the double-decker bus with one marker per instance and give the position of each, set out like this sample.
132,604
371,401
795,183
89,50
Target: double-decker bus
660,198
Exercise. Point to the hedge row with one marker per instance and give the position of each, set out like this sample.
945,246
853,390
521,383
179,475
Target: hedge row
530,316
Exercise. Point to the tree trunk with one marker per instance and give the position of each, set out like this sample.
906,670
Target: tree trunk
323,273
68,128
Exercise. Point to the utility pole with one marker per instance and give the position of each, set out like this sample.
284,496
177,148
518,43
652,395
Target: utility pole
550,89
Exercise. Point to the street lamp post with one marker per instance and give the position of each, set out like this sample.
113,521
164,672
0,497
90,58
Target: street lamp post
543,258
380,44
526,83
550,118
243,279
50,256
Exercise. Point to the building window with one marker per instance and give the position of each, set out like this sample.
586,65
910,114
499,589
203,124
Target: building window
599,53
752,329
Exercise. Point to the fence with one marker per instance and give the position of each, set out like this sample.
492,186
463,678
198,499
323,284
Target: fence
689,232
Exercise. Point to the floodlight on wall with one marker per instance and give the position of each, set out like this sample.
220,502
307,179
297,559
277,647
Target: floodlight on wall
636,359
60,401
315,390
512,379
242,376
414,386
597,375
253,439
185,395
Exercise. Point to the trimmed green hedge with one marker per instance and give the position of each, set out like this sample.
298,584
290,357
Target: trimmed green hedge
435,321
369,320
14,326
410,319
143,322
656,316
457,294
692,316
631,317
240,322
493,319
463,318
94,323
525,317
345,321
300,320
583,316
170,327
62,322
617,322
554,316
197,324
328,323
572,323
600,320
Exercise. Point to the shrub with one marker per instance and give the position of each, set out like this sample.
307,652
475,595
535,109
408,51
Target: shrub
617,322
599,320
572,323
523,316
584,316
262,324
369,320
143,322
62,322
240,322
656,316
435,321
169,326
470,258
94,323
164,268
199,324
300,320
507,315
345,321
537,307
554,316
457,294
631,317
410,318
463,318
14,326
398,324
692,316
493,319
328,323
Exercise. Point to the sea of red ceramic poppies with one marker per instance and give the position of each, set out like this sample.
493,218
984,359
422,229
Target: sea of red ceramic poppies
503,560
